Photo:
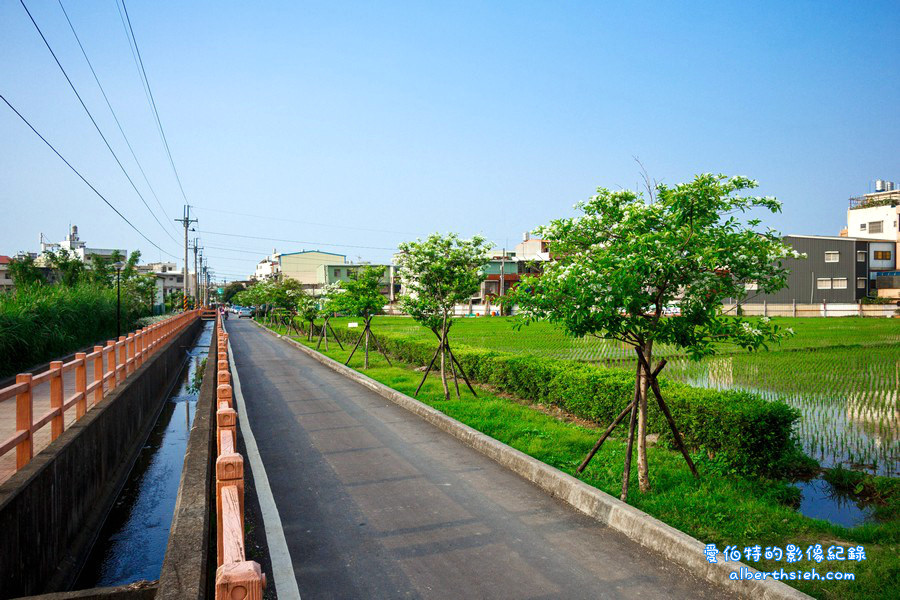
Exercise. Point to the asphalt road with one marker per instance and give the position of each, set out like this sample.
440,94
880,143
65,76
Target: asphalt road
376,503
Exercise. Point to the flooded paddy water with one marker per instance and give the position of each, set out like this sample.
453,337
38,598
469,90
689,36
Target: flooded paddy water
847,399
132,541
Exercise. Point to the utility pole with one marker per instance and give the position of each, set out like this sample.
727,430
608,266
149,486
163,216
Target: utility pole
196,283
186,221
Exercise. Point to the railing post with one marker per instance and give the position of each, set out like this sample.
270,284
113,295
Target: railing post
138,352
98,374
81,384
240,580
229,472
111,358
56,399
121,358
226,420
130,355
24,421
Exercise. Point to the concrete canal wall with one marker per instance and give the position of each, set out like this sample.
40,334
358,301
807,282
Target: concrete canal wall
51,510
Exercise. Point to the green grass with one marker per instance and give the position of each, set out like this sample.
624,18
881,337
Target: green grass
840,372
719,508
545,339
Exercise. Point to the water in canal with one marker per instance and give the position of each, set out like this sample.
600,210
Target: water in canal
133,539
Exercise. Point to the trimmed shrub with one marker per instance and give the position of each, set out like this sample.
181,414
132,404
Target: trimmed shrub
749,434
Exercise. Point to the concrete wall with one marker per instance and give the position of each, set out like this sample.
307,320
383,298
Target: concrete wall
51,511
825,309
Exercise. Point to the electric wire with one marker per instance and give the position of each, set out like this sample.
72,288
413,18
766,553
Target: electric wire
114,115
91,117
68,164
153,103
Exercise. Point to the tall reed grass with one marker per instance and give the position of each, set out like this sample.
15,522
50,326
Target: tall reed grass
39,323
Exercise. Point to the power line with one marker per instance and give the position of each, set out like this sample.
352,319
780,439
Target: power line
113,112
91,117
153,102
253,237
68,164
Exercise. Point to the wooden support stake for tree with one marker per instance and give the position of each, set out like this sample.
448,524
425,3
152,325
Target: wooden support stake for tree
461,372
608,431
626,475
453,371
431,364
380,348
458,366
603,437
323,335
336,338
354,348
654,385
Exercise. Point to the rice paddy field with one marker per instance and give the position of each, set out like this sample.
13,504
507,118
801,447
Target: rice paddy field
843,374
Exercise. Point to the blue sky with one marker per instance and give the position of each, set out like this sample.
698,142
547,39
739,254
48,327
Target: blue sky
352,126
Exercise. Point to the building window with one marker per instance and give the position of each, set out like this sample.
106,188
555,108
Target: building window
860,256
823,283
862,226
337,272
860,283
839,283
876,226
832,256
882,255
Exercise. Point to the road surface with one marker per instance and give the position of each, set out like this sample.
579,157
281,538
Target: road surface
376,503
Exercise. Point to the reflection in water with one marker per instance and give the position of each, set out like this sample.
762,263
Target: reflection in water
821,501
132,542
847,398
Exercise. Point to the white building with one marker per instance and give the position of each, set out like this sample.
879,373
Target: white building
876,215
169,278
532,249
78,248
267,268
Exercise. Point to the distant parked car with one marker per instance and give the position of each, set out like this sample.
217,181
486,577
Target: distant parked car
245,311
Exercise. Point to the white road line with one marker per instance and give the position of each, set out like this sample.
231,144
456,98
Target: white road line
282,566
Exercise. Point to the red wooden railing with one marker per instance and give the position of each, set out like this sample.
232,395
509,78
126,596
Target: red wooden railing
122,357
236,577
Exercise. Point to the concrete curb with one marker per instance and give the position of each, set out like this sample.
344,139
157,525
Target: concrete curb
674,545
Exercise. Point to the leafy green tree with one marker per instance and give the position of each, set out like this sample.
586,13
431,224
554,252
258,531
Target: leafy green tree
24,272
68,266
230,290
362,297
620,268
439,273
307,308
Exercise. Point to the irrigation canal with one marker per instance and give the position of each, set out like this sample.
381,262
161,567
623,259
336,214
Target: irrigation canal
132,541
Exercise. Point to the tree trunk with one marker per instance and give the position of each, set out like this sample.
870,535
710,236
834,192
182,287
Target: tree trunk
626,474
367,344
443,354
643,466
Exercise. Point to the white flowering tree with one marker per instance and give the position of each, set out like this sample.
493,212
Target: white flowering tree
440,272
655,270
307,308
328,305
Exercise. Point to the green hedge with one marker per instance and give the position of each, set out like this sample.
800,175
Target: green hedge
747,433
